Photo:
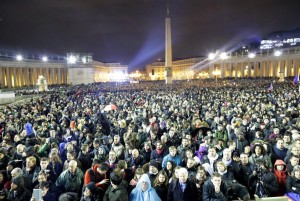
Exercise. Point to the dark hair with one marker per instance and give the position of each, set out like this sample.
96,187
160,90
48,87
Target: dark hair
103,166
115,178
44,184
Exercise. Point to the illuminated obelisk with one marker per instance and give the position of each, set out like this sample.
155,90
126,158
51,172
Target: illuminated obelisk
168,50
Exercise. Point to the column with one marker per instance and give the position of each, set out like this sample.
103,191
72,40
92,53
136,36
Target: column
235,70
255,65
242,70
1,77
275,66
262,66
8,77
296,67
58,76
52,76
267,73
288,67
249,70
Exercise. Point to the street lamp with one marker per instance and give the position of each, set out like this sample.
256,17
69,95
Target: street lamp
19,57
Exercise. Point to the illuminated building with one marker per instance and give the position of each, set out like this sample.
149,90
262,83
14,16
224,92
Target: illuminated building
75,69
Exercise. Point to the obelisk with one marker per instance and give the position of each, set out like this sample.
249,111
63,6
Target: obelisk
168,50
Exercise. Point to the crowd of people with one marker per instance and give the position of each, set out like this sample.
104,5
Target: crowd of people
191,140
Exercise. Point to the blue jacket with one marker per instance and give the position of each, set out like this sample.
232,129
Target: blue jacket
176,159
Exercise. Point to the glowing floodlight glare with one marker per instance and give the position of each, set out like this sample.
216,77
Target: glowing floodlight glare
83,59
251,55
71,59
19,57
223,55
211,56
45,59
277,53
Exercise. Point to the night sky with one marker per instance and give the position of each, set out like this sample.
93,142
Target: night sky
132,31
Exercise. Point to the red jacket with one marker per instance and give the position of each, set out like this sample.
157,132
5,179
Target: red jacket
92,175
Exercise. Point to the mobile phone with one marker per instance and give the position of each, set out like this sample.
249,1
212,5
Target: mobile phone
37,194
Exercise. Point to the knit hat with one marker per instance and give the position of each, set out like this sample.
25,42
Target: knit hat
153,163
115,178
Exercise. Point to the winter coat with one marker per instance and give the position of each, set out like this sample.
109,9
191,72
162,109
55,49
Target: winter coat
22,194
162,191
116,194
292,184
280,154
66,182
209,193
175,193
158,157
176,159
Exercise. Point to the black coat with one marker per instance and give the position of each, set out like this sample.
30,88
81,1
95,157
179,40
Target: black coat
209,193
269,180
292,182
175,193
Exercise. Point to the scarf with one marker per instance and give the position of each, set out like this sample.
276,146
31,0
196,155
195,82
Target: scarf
227,162
159,151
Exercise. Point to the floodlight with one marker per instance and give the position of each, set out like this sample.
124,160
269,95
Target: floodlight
223,55
251,55
277,53
211,56
19,57
71,59
45,59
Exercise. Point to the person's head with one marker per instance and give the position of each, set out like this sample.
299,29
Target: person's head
276,131
72,166
54,157
96,143
280,143
159,145
15,183
116,139
30,162
102,168
295,151
258,149
161,178
201,173
170,165
227,154
20,148
44,163
147,146
212,151
221,166
45,187
16,172
71,155
176,172
287,138
184,142
153,167
112,156
172,151
135,153
296,172
2,153
294,160
122,165
138,173
244,159
182,175
216,178
84,148
115,179
42,177
190,163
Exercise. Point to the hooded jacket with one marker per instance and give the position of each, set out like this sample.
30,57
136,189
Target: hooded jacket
281,177
149,194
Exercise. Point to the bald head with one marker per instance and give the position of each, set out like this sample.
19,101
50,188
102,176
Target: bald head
72,166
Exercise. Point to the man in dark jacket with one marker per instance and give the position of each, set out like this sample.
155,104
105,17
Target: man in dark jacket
17,191
215,188
182,189
293,183
70,181
117,191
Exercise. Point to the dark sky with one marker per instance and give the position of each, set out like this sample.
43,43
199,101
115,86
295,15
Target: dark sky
132,31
